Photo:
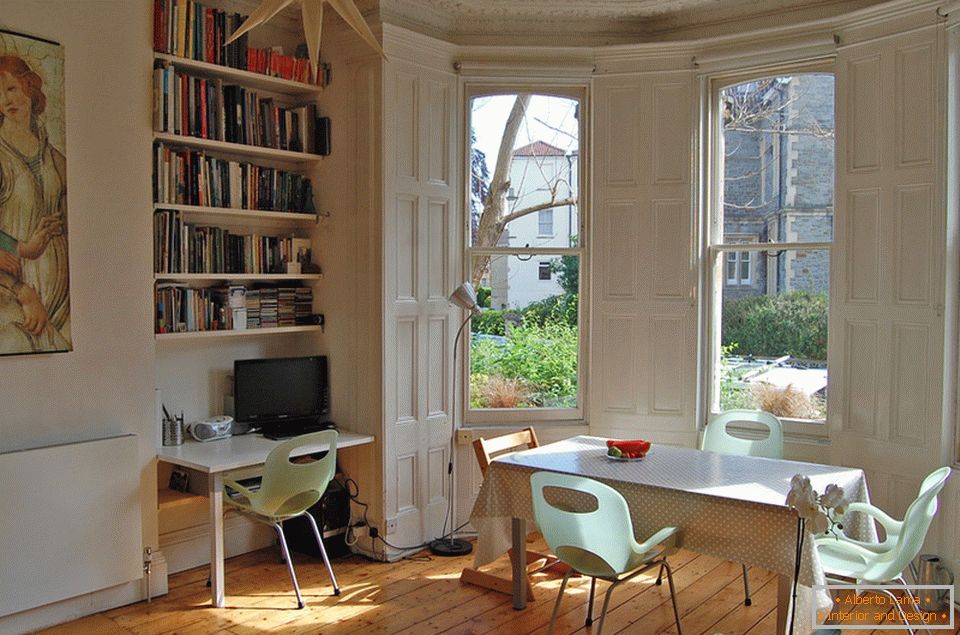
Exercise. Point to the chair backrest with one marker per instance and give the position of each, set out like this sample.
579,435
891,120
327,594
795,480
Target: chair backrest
487,449
717,439
289,488
598,542
916,523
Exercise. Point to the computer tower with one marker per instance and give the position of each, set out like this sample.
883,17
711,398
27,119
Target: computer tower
332,513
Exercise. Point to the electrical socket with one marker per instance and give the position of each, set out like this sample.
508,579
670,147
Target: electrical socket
391,525
464,437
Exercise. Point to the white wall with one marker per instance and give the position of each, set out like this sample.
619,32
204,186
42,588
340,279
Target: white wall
106,384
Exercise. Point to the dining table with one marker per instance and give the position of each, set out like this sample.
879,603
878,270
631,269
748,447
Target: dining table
728,506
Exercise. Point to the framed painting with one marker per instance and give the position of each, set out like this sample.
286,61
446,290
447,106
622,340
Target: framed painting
34,267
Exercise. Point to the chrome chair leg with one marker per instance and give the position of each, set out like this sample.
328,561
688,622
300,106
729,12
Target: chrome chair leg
556,606
323,551
746,587
673,595
606,603
286,556
593,586
896,603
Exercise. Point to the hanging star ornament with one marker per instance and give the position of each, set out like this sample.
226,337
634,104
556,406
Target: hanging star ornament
312,12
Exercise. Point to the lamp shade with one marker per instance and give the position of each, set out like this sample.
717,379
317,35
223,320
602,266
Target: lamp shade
465,297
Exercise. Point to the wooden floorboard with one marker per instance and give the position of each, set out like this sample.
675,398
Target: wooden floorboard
424,595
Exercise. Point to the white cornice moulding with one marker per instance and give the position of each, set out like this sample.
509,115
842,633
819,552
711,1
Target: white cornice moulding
518,67
411,46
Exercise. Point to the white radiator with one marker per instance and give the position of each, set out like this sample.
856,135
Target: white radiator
69,521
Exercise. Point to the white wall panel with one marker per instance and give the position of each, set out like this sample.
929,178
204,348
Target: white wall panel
618,161
908,392
406,481
405,269
438,366
671,249
643,375
860,368
863,113
914,244
405,112
862,248
406,343
887,333
915,118
439,104
671,134
438,250
618,381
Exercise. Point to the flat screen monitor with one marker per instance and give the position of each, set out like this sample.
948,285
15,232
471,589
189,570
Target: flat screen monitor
269,391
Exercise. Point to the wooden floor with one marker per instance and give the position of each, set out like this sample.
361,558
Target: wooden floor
423,595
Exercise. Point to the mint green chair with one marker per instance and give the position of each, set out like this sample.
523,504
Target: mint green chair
598,543
717,439
288,490
934,482
843,560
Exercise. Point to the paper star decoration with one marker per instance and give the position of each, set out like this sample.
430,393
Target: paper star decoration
312,12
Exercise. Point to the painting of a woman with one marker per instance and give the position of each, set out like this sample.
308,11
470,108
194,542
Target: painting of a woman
34,273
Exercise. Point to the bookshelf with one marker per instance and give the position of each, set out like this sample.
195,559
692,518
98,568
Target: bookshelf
217,226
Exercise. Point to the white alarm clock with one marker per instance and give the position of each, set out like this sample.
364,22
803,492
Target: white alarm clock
211,429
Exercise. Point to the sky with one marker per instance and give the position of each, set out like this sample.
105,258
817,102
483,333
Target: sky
490,114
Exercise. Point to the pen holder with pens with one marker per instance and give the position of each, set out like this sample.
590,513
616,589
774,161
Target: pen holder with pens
173,430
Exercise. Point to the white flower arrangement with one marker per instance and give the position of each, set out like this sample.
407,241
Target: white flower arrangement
821,512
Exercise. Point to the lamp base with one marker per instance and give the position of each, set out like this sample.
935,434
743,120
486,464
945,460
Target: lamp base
450,548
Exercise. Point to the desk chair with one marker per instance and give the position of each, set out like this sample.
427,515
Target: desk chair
288,490
717,439
598,543
844,560
486,450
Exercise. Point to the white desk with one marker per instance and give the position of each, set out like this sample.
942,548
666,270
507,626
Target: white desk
216,458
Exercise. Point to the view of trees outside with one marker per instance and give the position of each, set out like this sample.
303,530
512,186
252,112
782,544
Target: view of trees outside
778,170
524,161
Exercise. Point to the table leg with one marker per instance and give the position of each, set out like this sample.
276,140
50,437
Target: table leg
216,538
784,592
519,563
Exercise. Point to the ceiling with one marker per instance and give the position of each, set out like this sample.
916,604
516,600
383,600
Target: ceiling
592,22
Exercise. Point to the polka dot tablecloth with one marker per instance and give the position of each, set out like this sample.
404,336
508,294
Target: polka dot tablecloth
727,506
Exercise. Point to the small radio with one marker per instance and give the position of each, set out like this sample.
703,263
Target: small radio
211,429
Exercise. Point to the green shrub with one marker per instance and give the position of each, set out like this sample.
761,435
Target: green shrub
792,324
543,357
489,321
483,297
562,308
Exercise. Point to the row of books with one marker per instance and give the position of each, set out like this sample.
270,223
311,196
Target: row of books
209,109
183,309
192,30
190,177
181,247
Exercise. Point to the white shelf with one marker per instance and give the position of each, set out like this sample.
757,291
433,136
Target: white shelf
216,277
245,78
278,330
250,215
240,149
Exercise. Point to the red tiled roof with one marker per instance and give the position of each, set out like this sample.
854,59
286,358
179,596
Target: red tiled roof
539,149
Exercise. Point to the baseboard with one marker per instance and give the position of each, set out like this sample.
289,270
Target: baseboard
189,548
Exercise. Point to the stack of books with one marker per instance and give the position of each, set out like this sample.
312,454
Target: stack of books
209,109
192,30
182,309
191,177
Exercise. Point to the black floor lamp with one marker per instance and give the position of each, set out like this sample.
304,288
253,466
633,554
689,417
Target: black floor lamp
465,298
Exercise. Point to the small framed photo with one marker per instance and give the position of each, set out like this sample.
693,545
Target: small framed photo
179,480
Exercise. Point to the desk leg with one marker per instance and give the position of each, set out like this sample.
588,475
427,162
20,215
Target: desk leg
216,538
519,563
784,591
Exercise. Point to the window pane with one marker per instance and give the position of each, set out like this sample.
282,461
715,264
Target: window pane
524,346
778,159
745,267
541,135
774,342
